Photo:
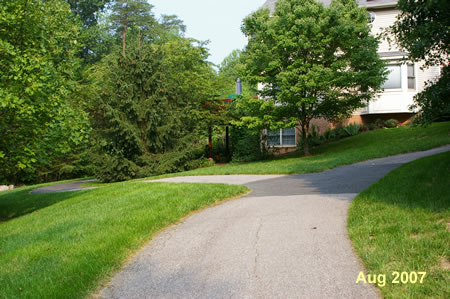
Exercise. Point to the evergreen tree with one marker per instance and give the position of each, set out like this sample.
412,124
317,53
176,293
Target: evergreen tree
128,14
146,118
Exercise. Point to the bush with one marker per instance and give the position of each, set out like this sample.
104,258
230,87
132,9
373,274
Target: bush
314,138
364,128
219,149
246,145
391,123
341,133
329,135
379,123
207,162
352,129
372,126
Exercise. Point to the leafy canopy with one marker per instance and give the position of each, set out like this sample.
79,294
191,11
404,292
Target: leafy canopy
313,61
38,47
423,29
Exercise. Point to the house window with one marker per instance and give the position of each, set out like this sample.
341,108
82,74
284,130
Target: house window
394,78
273,138
411,77
283,137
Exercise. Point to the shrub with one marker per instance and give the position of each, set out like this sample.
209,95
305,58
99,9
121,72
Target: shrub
379,123
314,138
364,128
352,129
246,145
372,126
341,133
329,134
206,162
391,123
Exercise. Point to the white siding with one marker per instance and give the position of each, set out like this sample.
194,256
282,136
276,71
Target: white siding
399,100
383,19
431,73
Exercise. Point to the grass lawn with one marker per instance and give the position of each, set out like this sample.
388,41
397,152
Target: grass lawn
402,223
65,245
365,146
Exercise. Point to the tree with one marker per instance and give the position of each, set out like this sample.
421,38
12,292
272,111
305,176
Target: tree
132,13
95,38
313,61
38,47
422,29
145,118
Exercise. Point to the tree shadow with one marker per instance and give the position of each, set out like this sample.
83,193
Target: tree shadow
21,202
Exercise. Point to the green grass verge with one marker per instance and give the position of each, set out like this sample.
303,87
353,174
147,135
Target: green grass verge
401,223
70,243
365,146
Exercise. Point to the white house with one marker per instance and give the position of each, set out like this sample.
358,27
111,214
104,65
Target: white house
404,80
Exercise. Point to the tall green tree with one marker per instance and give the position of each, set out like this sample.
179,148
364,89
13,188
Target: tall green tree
314,61
38,47
146,117
128,14
422,29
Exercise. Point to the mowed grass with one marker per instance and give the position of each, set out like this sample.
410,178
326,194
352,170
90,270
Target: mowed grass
365,146
65,245
402,224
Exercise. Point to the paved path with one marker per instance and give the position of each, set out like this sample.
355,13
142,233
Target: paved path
286,239
72,186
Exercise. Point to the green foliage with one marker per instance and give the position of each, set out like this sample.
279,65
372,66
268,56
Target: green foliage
132,14
88,10
314,138
422,38
422,30
434,101
391,123
352,129
246,145
95,38
372,126
379,123
146,117
38,44
314,61
232,68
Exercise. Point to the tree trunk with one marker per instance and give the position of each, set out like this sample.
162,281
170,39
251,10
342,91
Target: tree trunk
124,38
227,141
305,131
210,141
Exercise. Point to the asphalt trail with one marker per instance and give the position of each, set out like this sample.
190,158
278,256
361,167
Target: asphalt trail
286,239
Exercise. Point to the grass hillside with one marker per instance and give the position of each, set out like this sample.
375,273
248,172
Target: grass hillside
64,245
365,146
402,223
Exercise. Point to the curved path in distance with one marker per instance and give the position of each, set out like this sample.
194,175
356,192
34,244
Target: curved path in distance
65,187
